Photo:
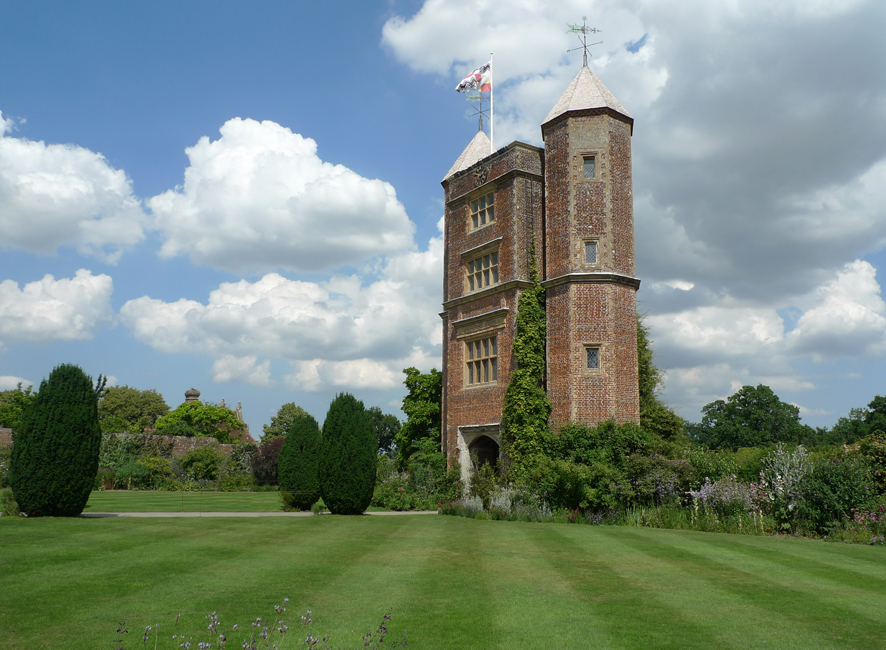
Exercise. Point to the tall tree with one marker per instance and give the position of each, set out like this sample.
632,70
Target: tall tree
123,408
200,420
13,403
751,417
524,420
281,422
55,456
298,467
348,457
386,427
422,406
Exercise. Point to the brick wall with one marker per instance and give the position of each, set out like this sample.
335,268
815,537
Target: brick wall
5,437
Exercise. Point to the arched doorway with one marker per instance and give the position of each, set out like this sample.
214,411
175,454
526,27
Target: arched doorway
486,450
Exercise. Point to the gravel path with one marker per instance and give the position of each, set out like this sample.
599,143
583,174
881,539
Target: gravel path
386,513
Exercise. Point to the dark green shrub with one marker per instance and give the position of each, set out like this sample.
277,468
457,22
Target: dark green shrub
566,484
132,476
832,488
348,457
203,464
298,464
55,457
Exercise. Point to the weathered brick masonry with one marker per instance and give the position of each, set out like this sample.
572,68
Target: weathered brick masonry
573,196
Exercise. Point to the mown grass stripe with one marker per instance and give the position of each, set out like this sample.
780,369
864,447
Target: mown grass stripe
774,605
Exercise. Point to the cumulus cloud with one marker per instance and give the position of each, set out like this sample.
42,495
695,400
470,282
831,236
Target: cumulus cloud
9,382
46,310
245,369
54,195
848,318
346,331
260,198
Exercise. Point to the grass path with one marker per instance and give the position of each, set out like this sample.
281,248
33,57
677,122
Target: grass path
454,583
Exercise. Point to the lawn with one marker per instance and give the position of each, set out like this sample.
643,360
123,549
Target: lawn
160,501
453,583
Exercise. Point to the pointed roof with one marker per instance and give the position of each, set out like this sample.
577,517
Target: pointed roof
586,92
477,150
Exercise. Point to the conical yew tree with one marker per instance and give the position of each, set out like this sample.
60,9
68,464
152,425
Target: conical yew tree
348,457
55,451
298,464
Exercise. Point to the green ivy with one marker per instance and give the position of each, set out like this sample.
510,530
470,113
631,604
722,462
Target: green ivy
524,422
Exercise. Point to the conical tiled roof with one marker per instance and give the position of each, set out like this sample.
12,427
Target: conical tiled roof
477,150
585,92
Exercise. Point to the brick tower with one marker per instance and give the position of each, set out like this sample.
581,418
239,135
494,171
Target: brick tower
573,201
589,261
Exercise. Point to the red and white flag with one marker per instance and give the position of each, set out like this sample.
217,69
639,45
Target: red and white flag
480,79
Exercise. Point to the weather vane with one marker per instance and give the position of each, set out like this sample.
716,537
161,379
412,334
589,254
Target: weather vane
584,30
475,97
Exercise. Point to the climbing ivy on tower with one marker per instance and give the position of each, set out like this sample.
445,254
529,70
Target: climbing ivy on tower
524,422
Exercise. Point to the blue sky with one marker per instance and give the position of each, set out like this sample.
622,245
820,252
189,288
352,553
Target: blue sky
244,198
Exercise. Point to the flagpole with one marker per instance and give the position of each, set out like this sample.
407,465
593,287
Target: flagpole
491,106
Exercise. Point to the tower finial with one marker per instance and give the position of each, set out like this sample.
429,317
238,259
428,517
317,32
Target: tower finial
584,30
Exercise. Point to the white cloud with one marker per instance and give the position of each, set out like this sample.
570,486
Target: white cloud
848,318
9,382
56,310
231,368
259,198
53,195
347,331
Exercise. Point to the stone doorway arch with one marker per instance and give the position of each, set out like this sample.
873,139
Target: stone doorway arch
486,450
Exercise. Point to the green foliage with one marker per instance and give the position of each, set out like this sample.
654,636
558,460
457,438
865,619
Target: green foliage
347,457
874,449
204,463
281,423
8,506
55,457
123,408
422,406
752,417
832,488
524,420
13,403
650,377
5,458
607,442
386,428
298,466
118,449
710,464
483,484
202,420
567,484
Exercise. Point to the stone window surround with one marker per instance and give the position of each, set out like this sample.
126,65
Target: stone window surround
579,175
600,348
583,253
